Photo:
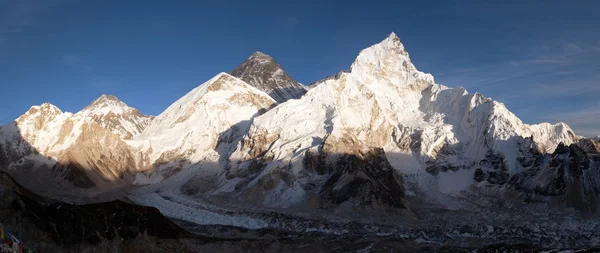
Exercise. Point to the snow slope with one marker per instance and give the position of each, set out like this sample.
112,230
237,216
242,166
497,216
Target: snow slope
200,125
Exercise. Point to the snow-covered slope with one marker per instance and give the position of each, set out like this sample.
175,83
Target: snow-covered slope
200,125
434,135
264,73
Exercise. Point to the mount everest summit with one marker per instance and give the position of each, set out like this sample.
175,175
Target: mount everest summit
265,74
382,136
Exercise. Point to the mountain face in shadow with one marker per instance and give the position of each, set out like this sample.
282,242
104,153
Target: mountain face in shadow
367,177
570,175
71,224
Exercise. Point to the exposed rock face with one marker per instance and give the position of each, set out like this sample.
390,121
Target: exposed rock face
590,146
493,169
366,179
265,74
100,151
571,175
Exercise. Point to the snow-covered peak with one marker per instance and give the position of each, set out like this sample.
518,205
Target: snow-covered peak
262,55
106,104
39,127
388,60
392,36
263,72
106,97
115,115
49,107
45,110
384,53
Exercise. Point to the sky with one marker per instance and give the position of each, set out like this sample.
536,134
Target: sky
540,58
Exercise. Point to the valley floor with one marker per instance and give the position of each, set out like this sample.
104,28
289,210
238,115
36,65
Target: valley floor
430,224
222,228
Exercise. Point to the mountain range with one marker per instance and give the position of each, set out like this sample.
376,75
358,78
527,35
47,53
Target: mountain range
379,138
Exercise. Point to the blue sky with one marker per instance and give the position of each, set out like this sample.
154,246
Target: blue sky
541,58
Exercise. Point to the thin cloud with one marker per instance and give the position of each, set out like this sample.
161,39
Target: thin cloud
558,73
544,62
558,89
567,89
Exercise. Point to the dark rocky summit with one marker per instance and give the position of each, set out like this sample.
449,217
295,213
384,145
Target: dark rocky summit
265,74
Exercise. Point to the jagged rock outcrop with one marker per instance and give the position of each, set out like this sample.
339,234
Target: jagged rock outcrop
265,74
590,146
570,175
